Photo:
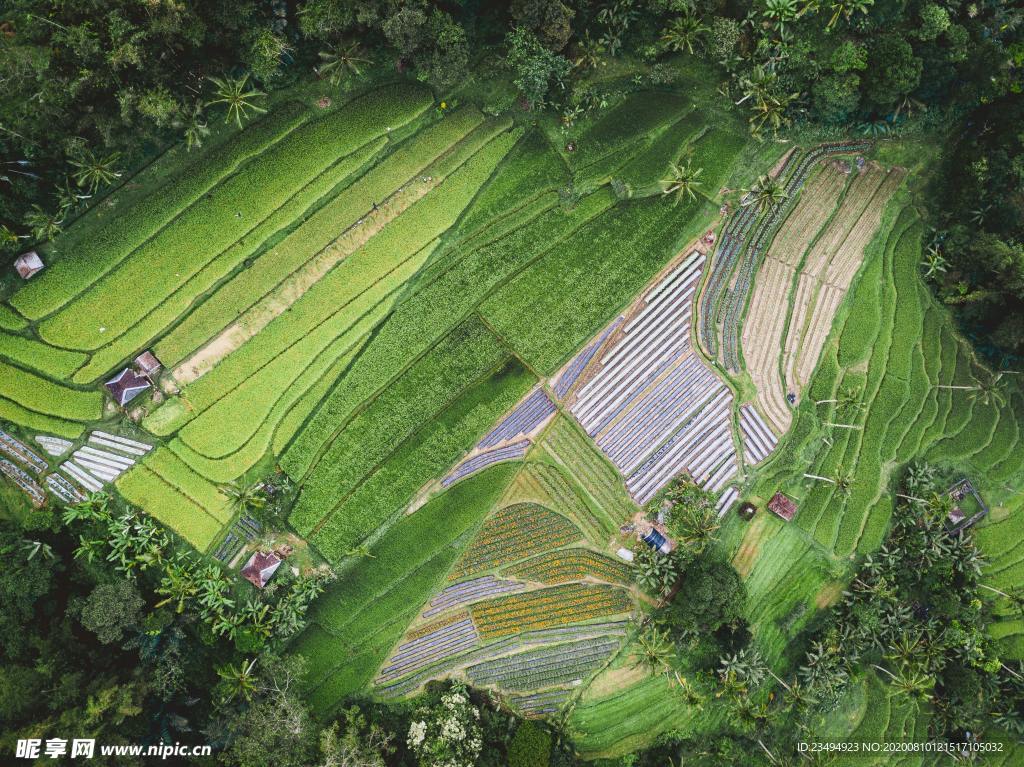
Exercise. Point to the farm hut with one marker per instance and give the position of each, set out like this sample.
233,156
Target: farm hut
147,364
657,541
261,568
28,264
126,386
782,506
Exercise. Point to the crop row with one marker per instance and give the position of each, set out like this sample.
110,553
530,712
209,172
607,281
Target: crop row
540,703
421,457
554,606
513,533
548,486
570,565
352,289
119,237
598,478
628,123
545,667
10,320
185,246
420,320
48,360
527,416
498,647
532,167
43,396
481,460
315,233
558,303
417,653
645,172
470,591
445,620
146,489
13,412
185,480
427,387
261,238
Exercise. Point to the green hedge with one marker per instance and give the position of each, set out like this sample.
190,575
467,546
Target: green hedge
462,357
177,252
422,457
53,362
549,310
115,241
148,491
259,241
314,234
43,396
430,312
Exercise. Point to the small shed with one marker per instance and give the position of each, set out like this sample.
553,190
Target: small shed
657,541
28,264
147,364
261,568
126,386
782,506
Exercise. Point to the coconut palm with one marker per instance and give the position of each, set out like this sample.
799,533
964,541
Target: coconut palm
766,193
44,226
238,98
94,172
243,498
914,684
847,398
990,389
68,196
683,32
342,60
239,681
934,263
769,111
683,181
655,650
196,128
8,238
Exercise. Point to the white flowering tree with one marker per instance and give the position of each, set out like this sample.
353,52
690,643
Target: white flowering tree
448,735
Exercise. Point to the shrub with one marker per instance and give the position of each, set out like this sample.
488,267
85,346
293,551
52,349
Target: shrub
530,746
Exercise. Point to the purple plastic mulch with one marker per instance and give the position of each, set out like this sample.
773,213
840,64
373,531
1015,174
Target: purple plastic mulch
524,419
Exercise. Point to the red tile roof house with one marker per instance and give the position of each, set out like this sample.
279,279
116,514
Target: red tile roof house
126,386
261,568
782,506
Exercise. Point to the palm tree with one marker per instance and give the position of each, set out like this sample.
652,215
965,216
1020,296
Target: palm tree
770,111
683,32
766,193
655,650
178,584
683,181
243,498
68,196
934,262
846,9
32,548
196,128
94,172
845,399
843,482
44,226
991,389
912,683
239,681
238,98
8,237
341,60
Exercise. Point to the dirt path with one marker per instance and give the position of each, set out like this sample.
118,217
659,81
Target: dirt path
257,317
